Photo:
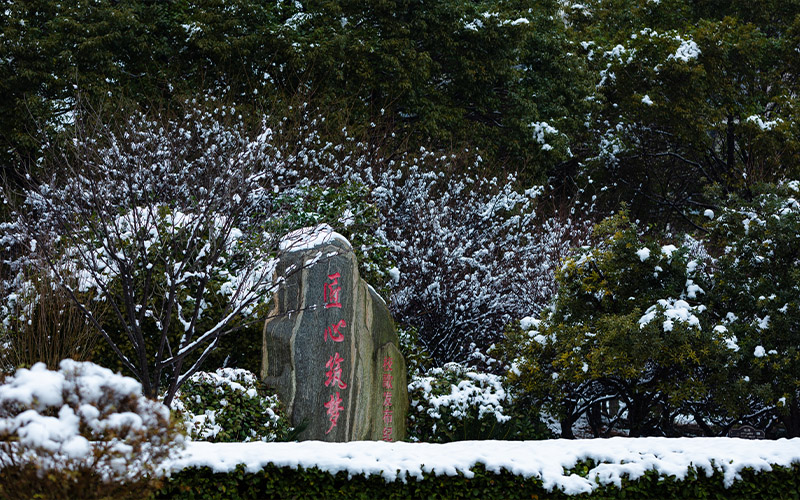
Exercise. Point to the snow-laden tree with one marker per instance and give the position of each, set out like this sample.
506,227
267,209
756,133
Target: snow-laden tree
689,94
165,222
472,253
630,325
757,297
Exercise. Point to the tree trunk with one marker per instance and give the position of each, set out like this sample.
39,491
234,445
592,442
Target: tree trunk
792,420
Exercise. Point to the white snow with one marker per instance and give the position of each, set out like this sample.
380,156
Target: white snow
63,412
540,130
693,289
529,323
709,213
668,250
643,253
475,390
672,310
615,458
646,100
310,237
763,125
759,351
687,50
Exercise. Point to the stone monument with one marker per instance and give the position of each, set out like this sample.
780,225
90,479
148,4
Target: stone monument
330,348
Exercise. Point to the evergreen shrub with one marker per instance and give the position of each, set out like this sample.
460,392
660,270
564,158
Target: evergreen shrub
230,405
284,482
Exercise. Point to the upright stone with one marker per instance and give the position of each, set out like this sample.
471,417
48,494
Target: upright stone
330,348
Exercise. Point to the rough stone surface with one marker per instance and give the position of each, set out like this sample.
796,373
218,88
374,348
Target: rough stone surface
325,319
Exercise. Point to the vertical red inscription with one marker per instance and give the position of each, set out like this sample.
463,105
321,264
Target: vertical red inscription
387,399
331,292
334,333
333,407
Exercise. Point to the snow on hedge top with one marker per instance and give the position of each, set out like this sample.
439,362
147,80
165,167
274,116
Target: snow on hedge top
310,237
546,460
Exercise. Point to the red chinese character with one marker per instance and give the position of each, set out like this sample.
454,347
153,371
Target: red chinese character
334,366
334,406
330,294
333,331
387,398
387,364
387,381
387,417
387,433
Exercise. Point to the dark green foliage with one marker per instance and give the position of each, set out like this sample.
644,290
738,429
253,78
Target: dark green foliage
452,72
346,210
284,482
756,296
27,482
628,325
671,122
231,405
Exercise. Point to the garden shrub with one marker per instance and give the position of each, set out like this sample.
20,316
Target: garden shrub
230,405
630,326
80,432
756,295
284,482
454,403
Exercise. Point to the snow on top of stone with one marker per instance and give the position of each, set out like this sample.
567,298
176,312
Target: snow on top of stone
310,237
549,460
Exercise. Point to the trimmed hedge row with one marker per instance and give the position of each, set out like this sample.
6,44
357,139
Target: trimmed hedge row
285,482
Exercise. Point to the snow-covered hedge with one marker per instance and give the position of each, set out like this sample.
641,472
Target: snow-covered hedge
80,419
605,468
230,405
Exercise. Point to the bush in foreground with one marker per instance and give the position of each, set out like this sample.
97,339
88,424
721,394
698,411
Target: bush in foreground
80,432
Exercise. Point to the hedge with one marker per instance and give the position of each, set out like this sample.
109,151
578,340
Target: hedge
285,482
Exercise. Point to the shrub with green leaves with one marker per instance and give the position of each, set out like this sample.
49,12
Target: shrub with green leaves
757,297
231,405
454,403
688,94
630,325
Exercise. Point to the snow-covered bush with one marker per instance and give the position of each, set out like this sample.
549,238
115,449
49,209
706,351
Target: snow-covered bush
455,403
472,256
80,432
471,253
757,298
165,221
192,208
230,405
629,342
